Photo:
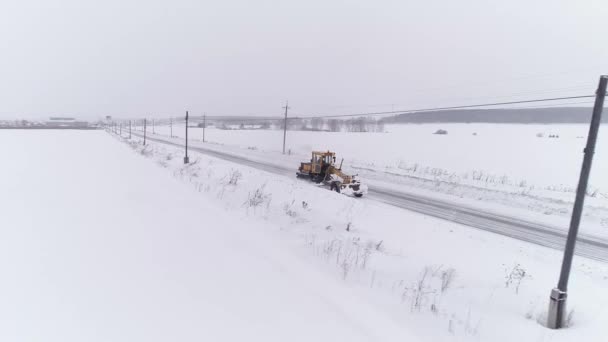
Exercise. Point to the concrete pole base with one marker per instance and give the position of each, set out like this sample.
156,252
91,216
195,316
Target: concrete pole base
186,160
557,308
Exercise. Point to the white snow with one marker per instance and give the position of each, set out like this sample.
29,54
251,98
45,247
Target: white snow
506,169
511,150
382,253
105,239
97,244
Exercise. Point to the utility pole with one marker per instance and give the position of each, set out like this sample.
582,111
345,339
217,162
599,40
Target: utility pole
171,126
557,300
204,125
144,132
285,125
186,159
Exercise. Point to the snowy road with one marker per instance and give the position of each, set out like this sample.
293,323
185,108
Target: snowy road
588,246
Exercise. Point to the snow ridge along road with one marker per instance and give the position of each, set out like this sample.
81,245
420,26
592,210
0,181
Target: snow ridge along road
544,235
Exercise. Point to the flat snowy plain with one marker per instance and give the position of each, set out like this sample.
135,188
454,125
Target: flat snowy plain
111,240
98,244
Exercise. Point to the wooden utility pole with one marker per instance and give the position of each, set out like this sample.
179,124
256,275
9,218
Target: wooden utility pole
186,159
204,125
285,125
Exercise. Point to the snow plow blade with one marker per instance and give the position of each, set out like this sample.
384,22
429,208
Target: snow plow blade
322,169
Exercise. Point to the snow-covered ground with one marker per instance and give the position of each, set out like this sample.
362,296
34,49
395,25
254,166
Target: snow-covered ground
105,239
98,244
440,281
508,154
518,170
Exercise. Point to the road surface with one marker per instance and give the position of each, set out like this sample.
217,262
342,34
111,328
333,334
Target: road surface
541,234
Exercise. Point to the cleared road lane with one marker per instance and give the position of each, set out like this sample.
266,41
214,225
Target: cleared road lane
540,234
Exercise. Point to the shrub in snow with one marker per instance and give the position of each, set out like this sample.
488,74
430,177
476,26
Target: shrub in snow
371,244
441,132
515,276
162,163
447,278
258,197
420,290
191,169
146,151
349,255
289,210
234,177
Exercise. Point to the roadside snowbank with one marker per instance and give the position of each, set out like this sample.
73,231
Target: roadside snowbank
99,245
443,281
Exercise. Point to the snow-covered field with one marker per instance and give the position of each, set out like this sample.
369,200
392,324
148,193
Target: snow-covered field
507,153
111,240
99,244
441,281
520,170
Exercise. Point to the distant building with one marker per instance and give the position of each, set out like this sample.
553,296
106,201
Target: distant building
65,122
62,119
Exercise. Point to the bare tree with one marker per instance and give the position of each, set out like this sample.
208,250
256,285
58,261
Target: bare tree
334,125
317,124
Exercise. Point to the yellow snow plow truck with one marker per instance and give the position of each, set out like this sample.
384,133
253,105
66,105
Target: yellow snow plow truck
322,169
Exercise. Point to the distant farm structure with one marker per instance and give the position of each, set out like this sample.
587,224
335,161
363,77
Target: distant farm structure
51,123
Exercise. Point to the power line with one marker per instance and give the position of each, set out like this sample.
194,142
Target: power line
448,108
504,97
554,105
406,111
397,112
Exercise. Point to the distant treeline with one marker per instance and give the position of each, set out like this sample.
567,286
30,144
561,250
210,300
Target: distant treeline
336,125
520,115
302,124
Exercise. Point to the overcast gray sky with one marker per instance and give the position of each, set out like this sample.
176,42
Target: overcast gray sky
130,58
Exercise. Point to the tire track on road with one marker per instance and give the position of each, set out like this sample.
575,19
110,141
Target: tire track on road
544,235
